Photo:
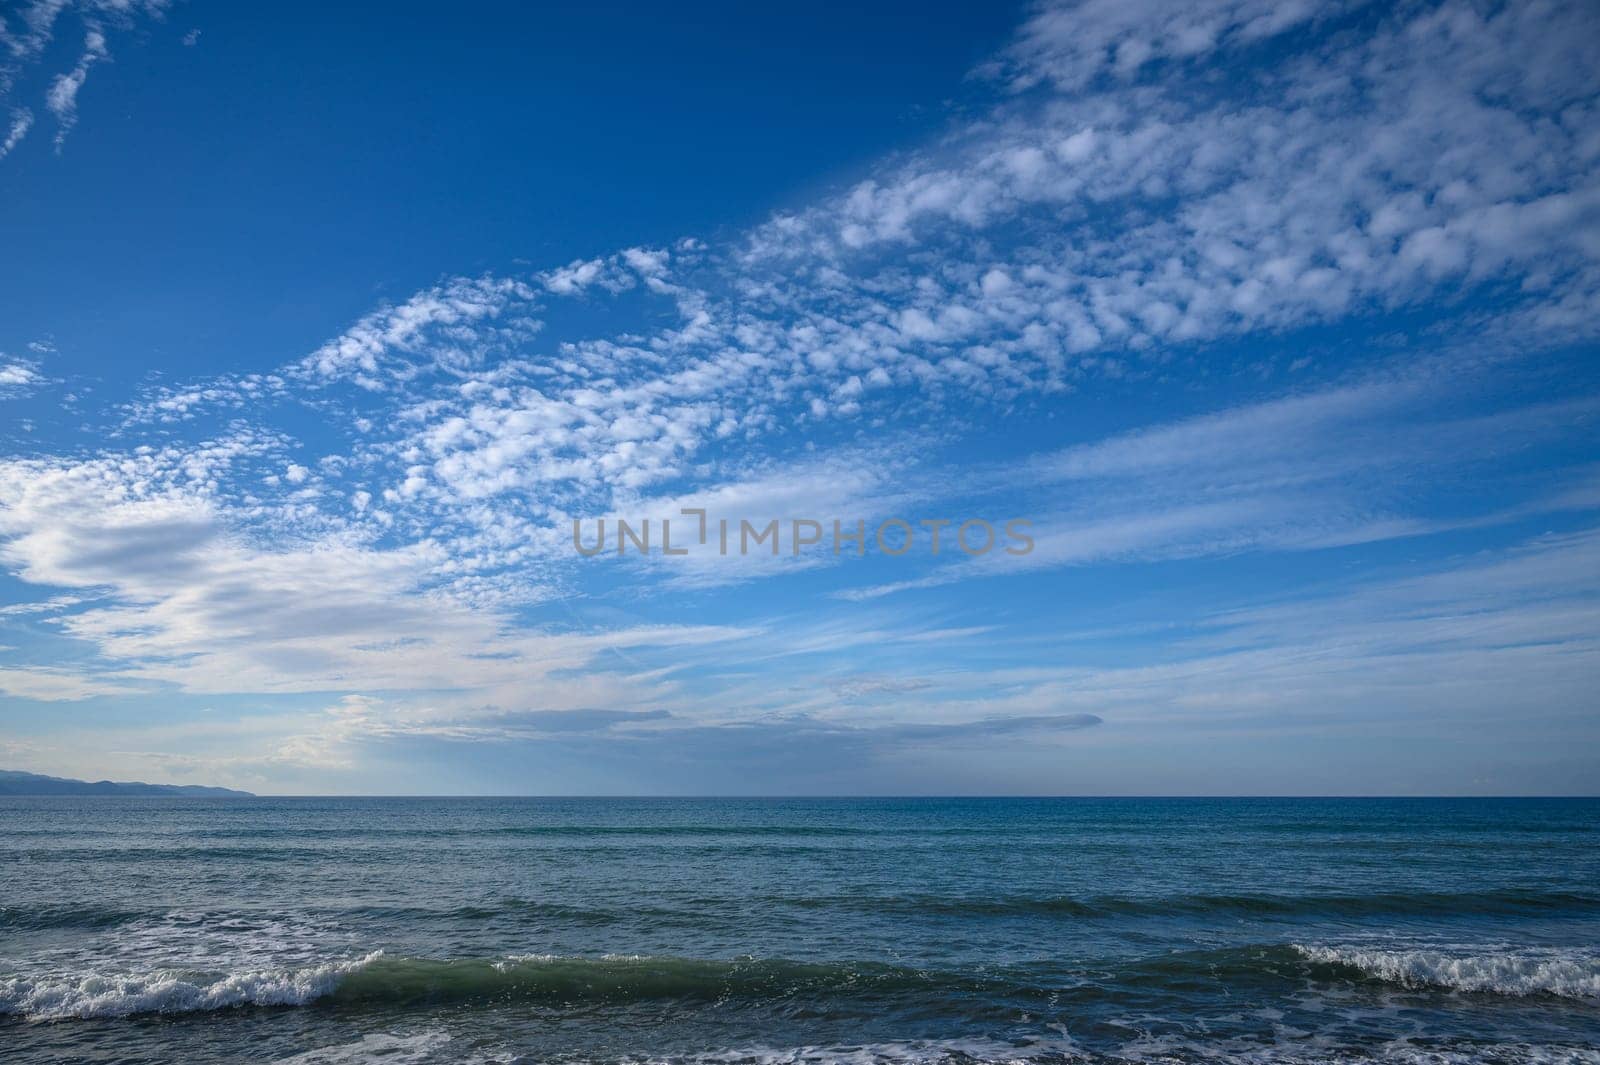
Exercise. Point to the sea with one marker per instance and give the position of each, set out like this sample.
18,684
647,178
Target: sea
769,931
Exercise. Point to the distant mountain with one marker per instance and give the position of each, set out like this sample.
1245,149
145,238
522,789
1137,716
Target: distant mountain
14,783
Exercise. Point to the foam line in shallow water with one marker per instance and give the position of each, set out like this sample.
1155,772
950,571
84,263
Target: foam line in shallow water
631,978
438,1047
433,1046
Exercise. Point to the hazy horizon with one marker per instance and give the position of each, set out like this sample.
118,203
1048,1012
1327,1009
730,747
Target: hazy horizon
781,796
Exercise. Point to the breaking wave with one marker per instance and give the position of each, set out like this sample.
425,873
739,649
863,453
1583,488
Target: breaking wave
396,981
1516,971
377,980
165,991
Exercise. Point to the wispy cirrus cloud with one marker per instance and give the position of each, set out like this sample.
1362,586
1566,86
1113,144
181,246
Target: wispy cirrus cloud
25,38
1303,472
1486,639
21,123
54,685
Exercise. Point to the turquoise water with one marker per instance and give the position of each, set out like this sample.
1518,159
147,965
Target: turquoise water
533,930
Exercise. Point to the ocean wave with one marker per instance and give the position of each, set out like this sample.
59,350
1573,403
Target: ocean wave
1515,971
1089,907
617,978
379,980
170,991
383,981
43,917
1418,903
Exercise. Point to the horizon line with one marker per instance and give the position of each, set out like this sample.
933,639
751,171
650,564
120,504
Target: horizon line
780,798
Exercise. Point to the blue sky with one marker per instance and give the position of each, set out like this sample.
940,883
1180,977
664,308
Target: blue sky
1277,323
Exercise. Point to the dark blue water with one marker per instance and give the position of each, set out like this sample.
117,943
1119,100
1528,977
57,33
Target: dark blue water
501,930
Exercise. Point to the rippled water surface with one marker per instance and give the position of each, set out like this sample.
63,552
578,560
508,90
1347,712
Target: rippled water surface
504,930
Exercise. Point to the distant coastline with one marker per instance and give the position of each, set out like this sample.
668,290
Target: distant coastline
14,783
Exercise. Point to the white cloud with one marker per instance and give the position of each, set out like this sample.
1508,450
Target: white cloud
52,605
1479,640
25,41
53,685
1391,166
647,262
194,603
457,322
1505,641
1445,149
1073,44
21,122
62,99
17,378
1303,472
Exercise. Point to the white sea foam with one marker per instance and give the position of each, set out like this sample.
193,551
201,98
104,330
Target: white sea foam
439,1048
1174,1050
1171,1051
62,996
910,1052
511,961
1514,971
382,1047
